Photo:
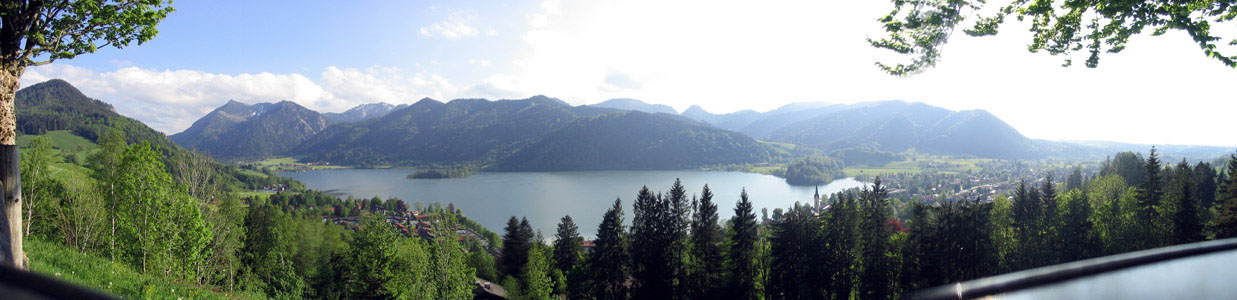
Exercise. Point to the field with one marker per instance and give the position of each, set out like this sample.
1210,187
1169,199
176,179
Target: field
65,263
291,164
63,141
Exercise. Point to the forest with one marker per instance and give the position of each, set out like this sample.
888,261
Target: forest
123,204
854,247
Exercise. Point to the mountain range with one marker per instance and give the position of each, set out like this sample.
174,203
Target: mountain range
543,133
362,112
246,132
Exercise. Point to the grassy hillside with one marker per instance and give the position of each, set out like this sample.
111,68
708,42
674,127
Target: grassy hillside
98,273
64,143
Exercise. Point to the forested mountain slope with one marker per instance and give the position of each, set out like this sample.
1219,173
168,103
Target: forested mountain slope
362,112
636,105
636,140
57,105
241,131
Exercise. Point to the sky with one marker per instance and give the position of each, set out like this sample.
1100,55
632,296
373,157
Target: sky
722,55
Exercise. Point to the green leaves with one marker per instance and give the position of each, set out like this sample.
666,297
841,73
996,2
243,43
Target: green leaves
66,29
1061,27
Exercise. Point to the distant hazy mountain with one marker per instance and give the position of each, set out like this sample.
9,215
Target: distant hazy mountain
636,140
731,121
636,105
898,126
480,132
241,131
362,112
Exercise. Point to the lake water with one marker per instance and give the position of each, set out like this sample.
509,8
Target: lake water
545,197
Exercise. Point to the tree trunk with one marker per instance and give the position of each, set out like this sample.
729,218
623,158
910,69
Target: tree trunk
10,171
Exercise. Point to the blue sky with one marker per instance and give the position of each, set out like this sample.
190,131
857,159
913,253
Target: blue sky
722,55
233,37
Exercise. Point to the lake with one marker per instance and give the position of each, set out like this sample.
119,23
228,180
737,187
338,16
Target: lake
545,197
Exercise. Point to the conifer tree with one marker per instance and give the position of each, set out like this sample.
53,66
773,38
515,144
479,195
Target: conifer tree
515,249
1226,208
567,245
1205,185
841,245
609,258
1149,190
707,265
1187,225
652,240
1074,180
874,279
742,252
1154,228
1050,222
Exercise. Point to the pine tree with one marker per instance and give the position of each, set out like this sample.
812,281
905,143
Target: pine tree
1226,208
609,258
652,239
1205,184
1074,181
514,254
742,252
678,223
875,277
707,264
1028,226
1049,222
566,245
796,264
840,252
1187,226
1149,193
1154,228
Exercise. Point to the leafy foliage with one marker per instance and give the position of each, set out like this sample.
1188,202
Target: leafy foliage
919,29
814,170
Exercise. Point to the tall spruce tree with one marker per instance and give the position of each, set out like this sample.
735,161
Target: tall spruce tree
795,262
609,258
1153,228
1050,222
875,277
707,264
516,244
841,245
1226,208
1149,190
1028,226
567,245
652,246
679,222
1205,185
1187,225
742,252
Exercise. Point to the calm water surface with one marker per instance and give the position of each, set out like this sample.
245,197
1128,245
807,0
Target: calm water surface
545,197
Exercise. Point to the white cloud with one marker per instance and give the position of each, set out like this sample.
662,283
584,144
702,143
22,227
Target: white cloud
454,27
728,56
170,101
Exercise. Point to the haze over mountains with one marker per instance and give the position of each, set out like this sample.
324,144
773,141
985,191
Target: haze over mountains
543,133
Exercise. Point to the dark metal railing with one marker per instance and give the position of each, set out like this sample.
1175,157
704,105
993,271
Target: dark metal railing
1038,277
18,284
